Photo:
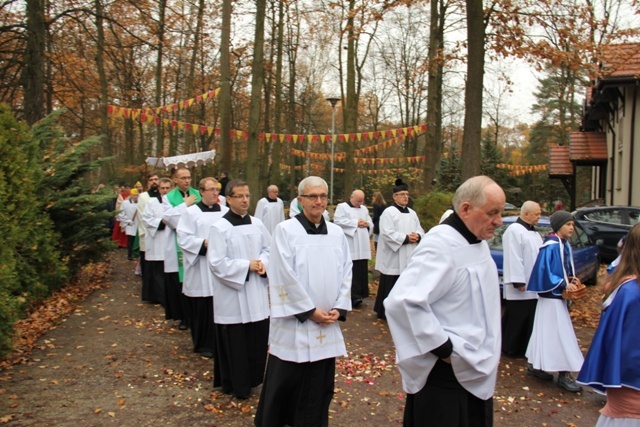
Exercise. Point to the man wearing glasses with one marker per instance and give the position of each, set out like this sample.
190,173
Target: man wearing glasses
309,288
400,233
238,257
175,204
193,238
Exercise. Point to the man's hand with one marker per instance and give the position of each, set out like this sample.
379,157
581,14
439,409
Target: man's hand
257,266
322,317
362,223
414,237
190,200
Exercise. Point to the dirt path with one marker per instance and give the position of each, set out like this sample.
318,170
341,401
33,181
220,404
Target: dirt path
115,361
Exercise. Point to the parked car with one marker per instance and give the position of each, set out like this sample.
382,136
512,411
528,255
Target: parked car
606,225
585,252
510,207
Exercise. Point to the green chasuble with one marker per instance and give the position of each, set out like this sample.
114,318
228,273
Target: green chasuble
175,198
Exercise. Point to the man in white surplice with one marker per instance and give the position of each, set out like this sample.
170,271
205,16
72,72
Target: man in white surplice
270,209
155,239
309,282
238,257
521,242
193,238
356,223
444,314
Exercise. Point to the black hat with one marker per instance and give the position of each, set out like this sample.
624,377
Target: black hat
400,186
559,218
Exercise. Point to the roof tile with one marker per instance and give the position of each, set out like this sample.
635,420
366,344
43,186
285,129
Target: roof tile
588,146
559,163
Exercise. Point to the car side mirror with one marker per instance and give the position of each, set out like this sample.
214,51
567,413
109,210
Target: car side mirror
599,242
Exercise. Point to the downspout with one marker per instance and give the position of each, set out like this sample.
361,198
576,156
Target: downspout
613,164
631,142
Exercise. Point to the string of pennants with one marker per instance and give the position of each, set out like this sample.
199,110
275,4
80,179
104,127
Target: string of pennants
520,170
360,160
360,171
153,116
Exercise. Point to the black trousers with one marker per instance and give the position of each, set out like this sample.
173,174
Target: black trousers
443,402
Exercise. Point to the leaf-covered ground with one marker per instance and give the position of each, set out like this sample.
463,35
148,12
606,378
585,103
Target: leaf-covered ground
96,356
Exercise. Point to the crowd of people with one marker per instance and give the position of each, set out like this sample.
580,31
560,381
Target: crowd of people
263,296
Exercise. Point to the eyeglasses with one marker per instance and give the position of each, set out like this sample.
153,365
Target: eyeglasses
185,178
215,189
322,197
241,196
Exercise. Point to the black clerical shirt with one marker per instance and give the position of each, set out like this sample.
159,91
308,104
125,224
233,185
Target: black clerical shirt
310,227
236,219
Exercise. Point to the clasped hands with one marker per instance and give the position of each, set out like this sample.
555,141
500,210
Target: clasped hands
257,266
322,317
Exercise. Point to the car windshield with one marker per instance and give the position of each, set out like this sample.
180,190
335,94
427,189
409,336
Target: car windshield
495,242
610,216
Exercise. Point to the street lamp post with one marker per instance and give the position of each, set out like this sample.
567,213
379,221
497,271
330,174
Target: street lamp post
333,102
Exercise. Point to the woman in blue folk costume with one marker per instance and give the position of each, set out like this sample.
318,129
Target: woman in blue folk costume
553,346
612,365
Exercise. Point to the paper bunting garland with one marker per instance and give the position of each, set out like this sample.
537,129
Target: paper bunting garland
520,170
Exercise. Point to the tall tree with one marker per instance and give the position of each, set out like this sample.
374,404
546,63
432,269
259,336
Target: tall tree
473,90
257,79
162,7
102,75
433,145
225,86
33,71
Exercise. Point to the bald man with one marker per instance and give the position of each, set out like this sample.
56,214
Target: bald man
444,314
353,217
521,243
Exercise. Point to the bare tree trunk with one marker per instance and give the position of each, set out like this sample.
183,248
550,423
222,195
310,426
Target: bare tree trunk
277,145
33,73
257,80
102,75
471,138
225,87
350,111
433,145
162,6
291,105
190,136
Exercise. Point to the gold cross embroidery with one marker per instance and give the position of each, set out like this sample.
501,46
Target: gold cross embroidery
321,337
282,293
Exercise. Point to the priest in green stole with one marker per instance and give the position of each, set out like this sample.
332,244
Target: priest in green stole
176,203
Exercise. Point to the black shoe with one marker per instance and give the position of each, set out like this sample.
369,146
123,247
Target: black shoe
538,373
568,383
356,303
183,326
207,354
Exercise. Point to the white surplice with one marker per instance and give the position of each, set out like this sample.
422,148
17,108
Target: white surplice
143,199
193,229
449,290
155,239
359,238
307,272
270,213
521,248
237,299
392,255
128,217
